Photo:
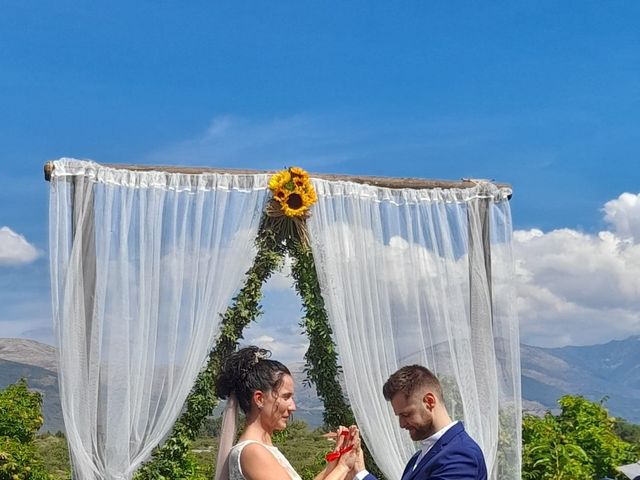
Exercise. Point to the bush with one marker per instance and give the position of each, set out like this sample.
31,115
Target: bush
628,432
55,455
20,419
578,444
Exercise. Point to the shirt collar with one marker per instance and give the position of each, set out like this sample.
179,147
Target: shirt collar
429,442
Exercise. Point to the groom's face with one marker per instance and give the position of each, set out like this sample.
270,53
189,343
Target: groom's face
415,414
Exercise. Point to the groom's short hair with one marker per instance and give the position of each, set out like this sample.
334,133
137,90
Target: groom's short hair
409,379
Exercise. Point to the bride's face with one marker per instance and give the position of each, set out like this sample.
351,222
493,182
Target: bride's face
279,405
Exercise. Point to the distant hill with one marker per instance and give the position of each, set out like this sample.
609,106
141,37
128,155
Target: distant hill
20,358
609,370
37,363
309,407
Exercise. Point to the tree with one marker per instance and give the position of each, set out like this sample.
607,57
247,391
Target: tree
579,443
20,419
628,432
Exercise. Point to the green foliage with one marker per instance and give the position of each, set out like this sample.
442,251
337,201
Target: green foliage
628,432
508,442
20,416
54,452
321,358
580,443
174,460
210,427
20,419
205,452
18,461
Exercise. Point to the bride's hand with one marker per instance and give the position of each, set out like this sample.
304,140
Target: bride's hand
357,448
340,436
348,459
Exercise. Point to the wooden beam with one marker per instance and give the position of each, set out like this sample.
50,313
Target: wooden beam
387,182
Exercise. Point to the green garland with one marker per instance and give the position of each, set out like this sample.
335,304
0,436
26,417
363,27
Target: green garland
321,358
173,459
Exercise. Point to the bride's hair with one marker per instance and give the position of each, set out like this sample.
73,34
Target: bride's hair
247,370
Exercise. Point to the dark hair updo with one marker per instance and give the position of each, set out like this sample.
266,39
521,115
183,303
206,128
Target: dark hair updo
247,370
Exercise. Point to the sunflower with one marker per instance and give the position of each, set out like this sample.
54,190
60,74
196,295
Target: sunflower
294,206
293,190
279,179
298,172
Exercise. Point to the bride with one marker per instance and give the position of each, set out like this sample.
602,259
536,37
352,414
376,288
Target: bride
264,389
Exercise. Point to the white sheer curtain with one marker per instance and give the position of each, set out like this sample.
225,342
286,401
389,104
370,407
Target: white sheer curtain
404,274
142,266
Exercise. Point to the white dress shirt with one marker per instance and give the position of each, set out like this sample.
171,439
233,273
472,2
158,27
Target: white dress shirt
428,443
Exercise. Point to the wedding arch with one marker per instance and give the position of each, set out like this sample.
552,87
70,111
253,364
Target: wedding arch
156,271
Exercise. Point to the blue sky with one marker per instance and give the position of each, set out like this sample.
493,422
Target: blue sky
542,95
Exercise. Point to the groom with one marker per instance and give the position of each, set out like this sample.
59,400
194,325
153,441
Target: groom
447,451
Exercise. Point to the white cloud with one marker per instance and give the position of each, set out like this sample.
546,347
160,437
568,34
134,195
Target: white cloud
286,342
15,249
264,339
255,144
623,213
278,328
573,288
281,279
576,288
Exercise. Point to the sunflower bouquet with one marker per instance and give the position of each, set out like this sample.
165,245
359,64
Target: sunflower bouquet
293,190
293,194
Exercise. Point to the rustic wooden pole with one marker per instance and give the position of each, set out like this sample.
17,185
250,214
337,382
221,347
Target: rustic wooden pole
388,182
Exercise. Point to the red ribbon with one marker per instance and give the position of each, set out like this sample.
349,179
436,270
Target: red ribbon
331,456
335,455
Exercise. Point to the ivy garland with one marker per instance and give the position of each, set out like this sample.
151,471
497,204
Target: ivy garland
173,460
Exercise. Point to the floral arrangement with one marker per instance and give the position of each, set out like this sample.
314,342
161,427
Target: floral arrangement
293,191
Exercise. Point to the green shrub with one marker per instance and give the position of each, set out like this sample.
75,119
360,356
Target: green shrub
578,444
20,416
55,455
20,419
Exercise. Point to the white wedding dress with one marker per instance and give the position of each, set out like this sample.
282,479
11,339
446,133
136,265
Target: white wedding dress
235,470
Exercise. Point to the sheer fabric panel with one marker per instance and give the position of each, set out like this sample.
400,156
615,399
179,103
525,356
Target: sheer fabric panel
142,266
404,278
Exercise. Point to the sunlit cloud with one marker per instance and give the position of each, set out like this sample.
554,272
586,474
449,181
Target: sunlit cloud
15,249
623,214
576,288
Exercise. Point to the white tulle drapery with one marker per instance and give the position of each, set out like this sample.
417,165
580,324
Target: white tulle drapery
423,276
142,266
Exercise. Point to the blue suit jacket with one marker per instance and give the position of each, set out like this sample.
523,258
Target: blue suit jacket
456,456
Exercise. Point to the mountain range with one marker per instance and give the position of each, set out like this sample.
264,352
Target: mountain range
609,371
